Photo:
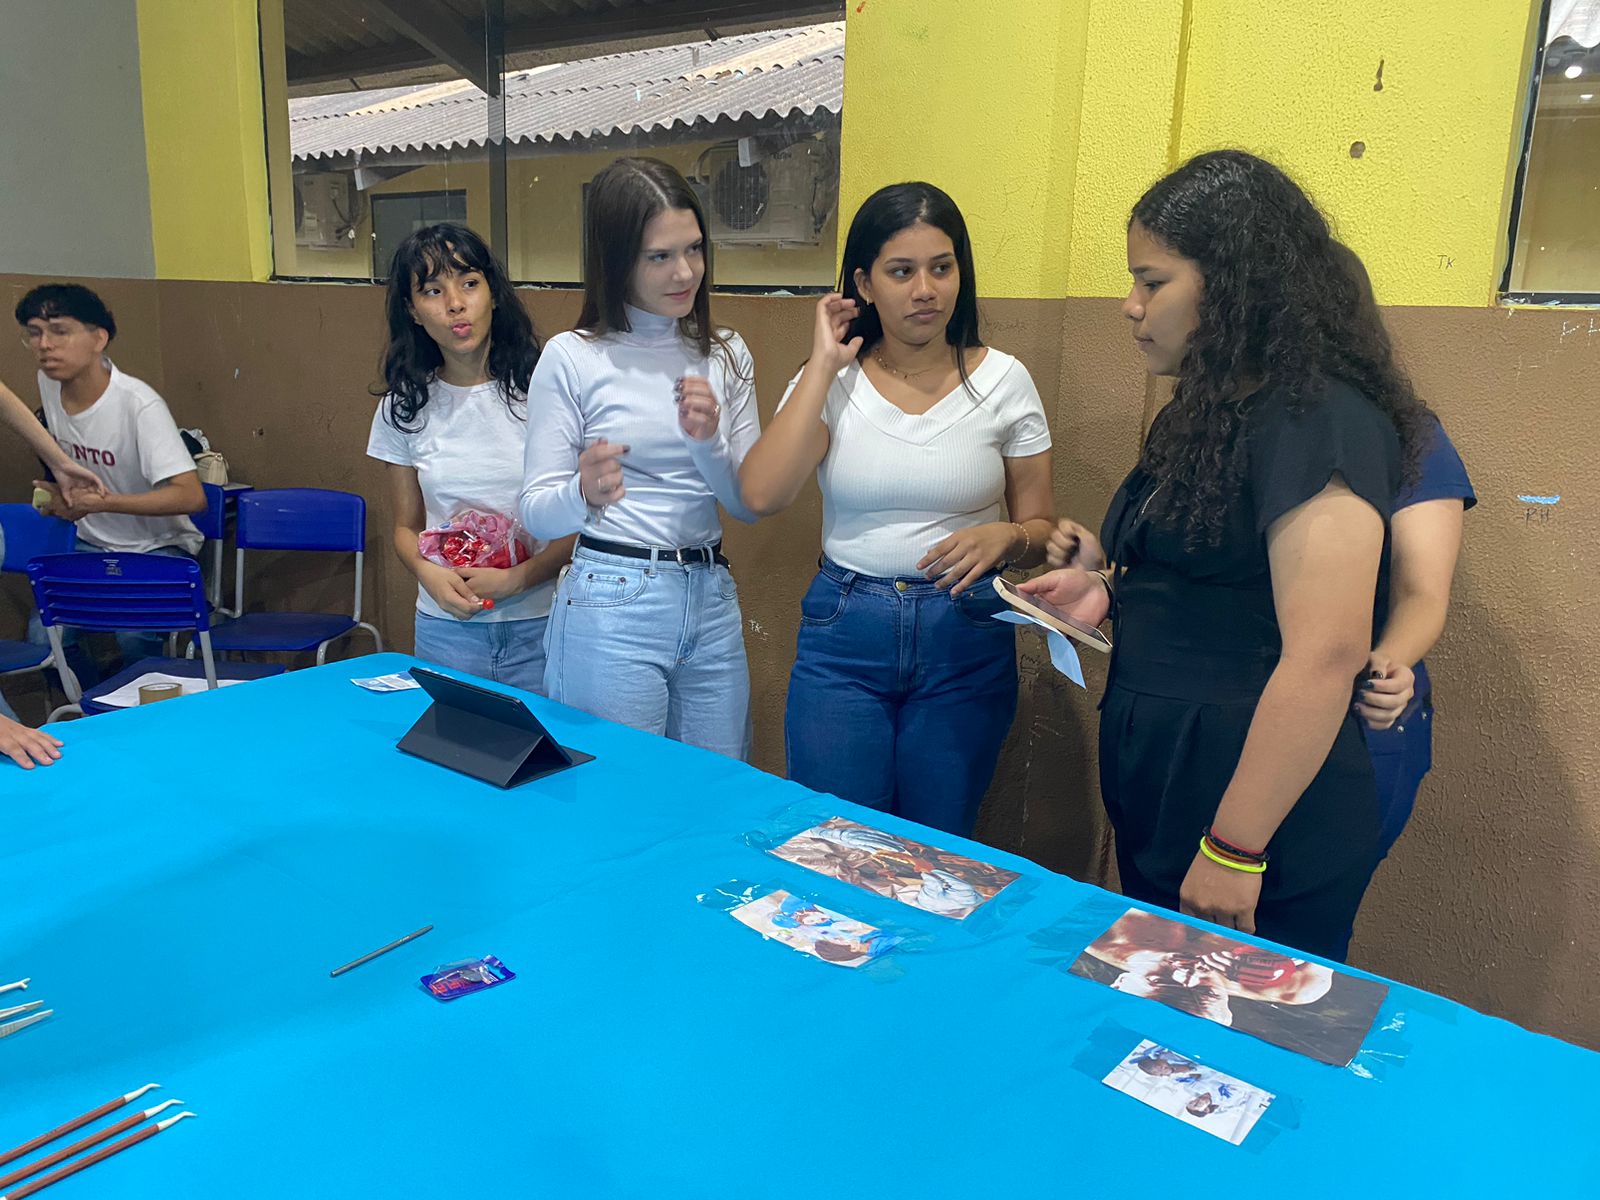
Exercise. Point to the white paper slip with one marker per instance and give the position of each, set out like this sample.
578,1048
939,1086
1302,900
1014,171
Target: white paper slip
1063,654
399,682
127,696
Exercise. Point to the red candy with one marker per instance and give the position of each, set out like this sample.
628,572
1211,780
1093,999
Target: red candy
474,539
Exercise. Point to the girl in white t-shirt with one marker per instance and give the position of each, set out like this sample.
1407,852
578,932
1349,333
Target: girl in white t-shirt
933,456
451,426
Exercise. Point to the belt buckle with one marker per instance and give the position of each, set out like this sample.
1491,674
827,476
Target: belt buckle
678,554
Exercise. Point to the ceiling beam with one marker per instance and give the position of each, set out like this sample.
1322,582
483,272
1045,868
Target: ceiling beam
433,28
669,17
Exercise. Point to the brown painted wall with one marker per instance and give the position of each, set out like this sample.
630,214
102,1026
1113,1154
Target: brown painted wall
277,375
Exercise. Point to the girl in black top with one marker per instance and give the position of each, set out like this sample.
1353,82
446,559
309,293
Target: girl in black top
1240,560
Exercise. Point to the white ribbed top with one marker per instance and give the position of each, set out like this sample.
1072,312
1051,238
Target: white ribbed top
620,387
895,484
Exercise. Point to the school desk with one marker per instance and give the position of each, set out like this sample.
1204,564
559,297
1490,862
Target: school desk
180,884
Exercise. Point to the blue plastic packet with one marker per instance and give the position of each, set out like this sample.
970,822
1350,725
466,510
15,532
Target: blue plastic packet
456,979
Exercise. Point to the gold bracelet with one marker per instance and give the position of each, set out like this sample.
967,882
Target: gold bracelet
1027,540
1205,848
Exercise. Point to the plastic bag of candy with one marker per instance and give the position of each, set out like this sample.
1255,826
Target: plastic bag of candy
474,539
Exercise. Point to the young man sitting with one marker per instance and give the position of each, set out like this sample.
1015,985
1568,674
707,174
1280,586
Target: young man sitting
117,427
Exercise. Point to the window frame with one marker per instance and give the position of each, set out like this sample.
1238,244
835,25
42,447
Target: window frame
1508,296
497,149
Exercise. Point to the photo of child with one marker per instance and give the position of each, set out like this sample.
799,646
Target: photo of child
936,881
1300,1005
1223,1106
814,930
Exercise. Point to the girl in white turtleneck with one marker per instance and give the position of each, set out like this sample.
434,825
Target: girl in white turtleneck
638,421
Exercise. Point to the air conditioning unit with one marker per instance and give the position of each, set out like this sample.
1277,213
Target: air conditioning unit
784,198
325,211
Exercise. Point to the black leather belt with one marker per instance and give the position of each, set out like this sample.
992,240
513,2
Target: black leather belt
684,556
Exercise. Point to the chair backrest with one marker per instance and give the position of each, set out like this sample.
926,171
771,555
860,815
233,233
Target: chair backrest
101,590
28,535
213,521
301,519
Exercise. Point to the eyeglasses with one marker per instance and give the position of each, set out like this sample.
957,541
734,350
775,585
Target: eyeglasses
35,336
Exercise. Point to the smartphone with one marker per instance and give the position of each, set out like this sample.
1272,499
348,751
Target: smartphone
1035,606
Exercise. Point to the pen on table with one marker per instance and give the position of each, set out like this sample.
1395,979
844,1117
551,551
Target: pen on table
366,958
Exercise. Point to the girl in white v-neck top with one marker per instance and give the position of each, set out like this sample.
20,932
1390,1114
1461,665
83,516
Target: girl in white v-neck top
933,456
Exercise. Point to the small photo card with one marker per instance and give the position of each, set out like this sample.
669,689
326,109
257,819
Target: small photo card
812,929
1223,1106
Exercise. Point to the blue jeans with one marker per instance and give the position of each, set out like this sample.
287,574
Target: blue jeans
1402,756
510,652
659,648
900,696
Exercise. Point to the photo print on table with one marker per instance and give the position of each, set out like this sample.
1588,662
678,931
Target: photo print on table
1222,1105
1300,1005
936,881
812,929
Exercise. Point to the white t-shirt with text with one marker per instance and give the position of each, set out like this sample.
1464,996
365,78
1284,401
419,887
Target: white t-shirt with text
129,439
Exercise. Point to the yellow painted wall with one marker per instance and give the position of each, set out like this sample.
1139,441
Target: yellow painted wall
1127,124
982,100
1295,83
977,98
200,71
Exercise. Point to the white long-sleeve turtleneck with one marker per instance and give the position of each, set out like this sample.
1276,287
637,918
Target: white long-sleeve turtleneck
621,387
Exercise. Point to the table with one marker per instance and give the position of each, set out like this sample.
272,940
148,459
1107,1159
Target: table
181,883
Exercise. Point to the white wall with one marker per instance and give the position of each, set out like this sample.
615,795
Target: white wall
74,193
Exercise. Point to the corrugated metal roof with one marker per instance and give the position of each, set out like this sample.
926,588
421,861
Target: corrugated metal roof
755,75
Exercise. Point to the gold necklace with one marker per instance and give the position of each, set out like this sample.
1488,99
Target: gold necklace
906,375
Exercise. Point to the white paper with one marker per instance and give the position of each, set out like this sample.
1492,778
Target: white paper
127,696
1063,654
399,682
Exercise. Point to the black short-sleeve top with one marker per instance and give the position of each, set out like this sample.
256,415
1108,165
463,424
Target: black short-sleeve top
1199,623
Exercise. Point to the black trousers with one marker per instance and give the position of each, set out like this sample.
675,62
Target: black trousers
1164,765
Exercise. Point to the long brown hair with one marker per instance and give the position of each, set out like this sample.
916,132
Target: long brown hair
621,200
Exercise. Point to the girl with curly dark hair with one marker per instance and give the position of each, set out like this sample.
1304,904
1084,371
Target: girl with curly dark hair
1240,561
451,427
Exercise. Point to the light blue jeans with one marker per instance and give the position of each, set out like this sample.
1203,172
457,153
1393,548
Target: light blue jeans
510,652
657,648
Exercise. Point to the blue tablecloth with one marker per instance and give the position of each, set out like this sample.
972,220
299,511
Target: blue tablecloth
181,883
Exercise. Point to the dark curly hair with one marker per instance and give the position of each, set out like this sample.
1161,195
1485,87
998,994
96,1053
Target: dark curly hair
1280,314
411,358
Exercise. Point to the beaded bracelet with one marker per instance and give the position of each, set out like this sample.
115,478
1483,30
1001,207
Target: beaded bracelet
1027,541
1231,863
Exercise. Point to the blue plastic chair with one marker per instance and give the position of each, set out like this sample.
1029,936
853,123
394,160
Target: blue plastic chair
28,535
155,592
295,519
213,526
